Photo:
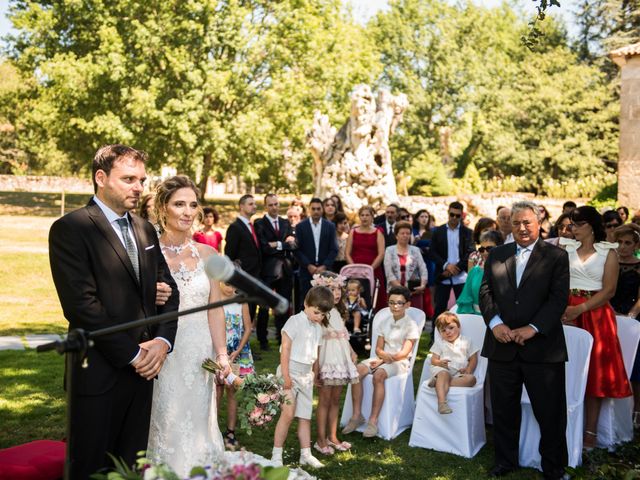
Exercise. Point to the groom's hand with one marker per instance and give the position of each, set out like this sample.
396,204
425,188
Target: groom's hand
155,354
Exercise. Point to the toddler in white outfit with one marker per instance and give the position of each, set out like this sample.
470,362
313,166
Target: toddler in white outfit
453,359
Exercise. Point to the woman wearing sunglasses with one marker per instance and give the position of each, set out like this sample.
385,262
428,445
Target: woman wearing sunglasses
611,220
468,301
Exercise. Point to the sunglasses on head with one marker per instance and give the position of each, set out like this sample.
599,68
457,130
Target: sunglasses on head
611,225
455,215
485,249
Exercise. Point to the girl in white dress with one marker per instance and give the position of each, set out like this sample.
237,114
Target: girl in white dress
184,428
336,366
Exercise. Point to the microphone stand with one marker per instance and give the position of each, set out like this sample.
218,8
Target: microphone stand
78,342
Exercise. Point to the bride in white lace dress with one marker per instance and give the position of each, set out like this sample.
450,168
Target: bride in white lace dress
184,428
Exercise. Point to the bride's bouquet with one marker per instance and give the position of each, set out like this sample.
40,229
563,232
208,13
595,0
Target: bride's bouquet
259,397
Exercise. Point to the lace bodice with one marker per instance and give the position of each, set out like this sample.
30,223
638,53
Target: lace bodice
187,269
587,275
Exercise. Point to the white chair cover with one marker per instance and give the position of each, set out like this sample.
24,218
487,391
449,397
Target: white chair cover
579,344
397,410
461,432
615,423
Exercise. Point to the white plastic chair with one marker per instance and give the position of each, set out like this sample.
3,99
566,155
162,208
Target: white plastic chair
461,432
579,344
397,410
615,423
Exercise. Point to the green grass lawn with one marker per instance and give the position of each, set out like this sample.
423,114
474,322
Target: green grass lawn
32,398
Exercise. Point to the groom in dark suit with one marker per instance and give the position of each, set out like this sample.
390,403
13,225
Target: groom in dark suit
523,295
108,270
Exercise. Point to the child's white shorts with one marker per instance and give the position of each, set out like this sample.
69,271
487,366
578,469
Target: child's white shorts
302,379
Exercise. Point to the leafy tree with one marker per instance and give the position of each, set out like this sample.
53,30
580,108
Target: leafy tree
504,108
12,105
604,25
209,86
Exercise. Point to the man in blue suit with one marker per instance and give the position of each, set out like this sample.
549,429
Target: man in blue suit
317,246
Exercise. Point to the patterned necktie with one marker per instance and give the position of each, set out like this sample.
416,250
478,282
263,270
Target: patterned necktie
128,243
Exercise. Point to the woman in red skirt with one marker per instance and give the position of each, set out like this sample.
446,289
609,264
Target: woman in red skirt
594,273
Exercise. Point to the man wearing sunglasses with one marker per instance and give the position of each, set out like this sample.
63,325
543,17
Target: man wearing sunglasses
450,248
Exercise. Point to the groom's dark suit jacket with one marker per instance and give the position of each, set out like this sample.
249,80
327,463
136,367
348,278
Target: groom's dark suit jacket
98,288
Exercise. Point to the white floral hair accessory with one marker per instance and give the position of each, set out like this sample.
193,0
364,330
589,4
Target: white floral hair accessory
328,280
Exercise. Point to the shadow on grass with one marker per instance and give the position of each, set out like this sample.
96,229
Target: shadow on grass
32,404
40,204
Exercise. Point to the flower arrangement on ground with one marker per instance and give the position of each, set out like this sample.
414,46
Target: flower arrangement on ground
238,467
259,397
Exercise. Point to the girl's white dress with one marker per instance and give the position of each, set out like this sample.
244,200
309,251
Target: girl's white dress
336,367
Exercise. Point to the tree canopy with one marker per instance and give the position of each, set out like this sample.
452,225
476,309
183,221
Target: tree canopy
224,87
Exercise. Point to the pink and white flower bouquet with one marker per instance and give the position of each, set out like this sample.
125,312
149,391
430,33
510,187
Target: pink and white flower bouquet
259,400
259,397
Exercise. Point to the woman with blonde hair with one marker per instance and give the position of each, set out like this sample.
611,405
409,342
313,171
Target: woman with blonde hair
184,428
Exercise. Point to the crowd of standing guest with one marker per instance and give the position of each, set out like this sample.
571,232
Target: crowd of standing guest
524,273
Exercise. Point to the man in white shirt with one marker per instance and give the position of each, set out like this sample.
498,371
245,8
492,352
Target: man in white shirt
504,223
450,248
241,242
276,245
523,295
106,266
317,246
387,226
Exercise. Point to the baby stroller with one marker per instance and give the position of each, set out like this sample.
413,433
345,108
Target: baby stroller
364,274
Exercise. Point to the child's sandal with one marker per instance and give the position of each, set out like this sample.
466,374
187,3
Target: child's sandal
323,450
230,441
341,447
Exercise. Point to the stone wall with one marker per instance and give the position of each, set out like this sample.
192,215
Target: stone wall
34,183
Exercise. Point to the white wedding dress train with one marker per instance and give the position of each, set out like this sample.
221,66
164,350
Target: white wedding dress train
184,429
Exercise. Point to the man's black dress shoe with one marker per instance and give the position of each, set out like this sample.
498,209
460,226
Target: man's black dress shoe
500,471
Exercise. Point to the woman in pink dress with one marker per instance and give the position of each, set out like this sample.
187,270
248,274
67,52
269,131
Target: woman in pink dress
209,235
366,245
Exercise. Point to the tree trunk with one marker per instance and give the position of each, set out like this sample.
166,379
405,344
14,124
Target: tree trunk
467,156
207,163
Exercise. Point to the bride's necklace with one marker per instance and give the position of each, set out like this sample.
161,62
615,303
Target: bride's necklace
177,249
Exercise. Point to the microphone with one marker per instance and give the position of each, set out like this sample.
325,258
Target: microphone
221,268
